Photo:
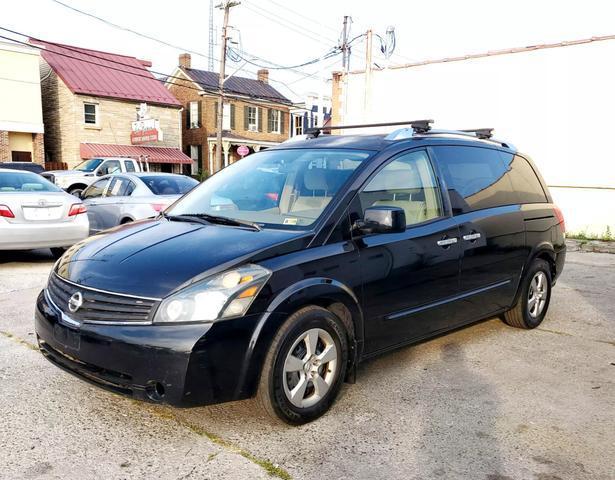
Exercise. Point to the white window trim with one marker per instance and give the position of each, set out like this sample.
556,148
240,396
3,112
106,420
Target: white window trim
194,155
253,127
193,111
96,124
226,116
277,123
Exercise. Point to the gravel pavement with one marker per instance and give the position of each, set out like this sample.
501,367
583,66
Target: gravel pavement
486,402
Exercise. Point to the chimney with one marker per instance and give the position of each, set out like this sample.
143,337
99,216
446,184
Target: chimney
263,75
185,60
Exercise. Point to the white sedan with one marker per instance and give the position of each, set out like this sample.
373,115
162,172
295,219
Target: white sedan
34,213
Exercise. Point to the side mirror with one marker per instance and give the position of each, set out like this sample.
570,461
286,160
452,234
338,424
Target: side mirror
383,219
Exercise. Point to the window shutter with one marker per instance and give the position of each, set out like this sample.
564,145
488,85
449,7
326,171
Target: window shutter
269,119
245,118
216,115
200,113
232,116
199,156
260,119
282,120
188,115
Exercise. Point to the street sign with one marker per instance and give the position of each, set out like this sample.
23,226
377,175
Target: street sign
242,150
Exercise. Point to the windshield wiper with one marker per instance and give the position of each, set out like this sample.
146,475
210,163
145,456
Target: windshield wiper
205,217
185,218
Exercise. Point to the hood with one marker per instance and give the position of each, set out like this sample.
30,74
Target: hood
154,257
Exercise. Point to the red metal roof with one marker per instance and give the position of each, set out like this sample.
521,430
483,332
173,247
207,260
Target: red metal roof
155,154
102,74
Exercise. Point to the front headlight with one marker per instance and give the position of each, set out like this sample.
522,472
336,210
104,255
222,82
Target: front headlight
228,294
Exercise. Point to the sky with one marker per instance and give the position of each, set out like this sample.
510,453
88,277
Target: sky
295,31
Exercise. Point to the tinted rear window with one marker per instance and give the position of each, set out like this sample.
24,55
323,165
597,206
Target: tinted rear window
475,177
19,181
169,185
524,179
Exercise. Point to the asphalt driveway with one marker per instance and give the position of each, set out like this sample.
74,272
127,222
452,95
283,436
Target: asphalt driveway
486,402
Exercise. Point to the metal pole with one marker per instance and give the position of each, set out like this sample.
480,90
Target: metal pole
227,6
368,77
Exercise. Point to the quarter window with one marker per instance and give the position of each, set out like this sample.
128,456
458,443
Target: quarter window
408,182
90,113
524,179
475,177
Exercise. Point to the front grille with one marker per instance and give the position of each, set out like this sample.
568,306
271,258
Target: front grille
97,306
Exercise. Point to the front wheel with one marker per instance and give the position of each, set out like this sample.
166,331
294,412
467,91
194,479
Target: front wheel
305,366
531,308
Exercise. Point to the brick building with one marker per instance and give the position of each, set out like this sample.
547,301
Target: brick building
21,114
255,115
97,102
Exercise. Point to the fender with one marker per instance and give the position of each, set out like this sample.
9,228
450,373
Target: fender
540,249
318,291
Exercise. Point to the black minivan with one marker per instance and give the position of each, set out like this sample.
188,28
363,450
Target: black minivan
279,274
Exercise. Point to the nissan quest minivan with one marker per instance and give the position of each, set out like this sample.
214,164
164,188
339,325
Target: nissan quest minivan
279,274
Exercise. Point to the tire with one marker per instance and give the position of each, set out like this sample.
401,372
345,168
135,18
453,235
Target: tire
279,378
525,313
76,191
57,252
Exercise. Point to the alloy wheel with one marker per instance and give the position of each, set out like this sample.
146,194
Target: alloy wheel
310,368
537,294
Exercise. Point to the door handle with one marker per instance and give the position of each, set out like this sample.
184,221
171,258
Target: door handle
446,242
471,236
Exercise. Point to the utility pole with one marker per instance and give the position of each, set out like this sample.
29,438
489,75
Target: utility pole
345,64
368,76
226,5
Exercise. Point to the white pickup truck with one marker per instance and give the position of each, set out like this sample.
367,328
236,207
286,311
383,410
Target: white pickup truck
76,180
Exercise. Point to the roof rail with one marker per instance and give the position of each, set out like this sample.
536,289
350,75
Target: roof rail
419,126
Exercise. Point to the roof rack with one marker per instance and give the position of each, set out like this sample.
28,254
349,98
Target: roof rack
419,126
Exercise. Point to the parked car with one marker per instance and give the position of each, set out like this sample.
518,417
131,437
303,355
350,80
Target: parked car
124,198
76,180
34,213
27,166
372,242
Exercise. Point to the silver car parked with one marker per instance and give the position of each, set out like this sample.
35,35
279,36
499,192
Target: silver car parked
34,213
122,198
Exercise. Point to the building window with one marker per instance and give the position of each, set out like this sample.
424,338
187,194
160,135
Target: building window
298,124
90,113
274,121
194,115
195,155
252,119
226,116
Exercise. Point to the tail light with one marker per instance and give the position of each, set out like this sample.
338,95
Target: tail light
560,218
77,209
6,212
159,207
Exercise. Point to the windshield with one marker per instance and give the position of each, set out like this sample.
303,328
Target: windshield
169,184
25,182
277,188
89,165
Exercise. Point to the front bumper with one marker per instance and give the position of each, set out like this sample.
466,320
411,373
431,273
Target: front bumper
180,365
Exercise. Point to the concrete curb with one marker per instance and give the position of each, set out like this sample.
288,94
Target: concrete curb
595,246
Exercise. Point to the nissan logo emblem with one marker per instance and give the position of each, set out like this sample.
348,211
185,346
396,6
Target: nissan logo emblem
75,302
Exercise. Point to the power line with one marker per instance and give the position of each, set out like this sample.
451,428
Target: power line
149,77
331,53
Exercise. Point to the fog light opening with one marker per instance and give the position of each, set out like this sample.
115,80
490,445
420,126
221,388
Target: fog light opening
155,391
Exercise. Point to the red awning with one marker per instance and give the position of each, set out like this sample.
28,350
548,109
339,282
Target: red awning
153,154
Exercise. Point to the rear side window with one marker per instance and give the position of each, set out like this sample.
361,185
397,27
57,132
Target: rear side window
524,179
130,166
475,177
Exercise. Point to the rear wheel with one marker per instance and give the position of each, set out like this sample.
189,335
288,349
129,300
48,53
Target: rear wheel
76,191
534,298
304,368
